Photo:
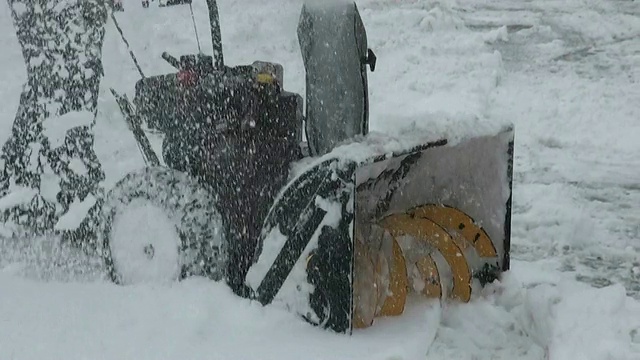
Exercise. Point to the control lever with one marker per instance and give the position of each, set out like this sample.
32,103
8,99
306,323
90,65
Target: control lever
171,60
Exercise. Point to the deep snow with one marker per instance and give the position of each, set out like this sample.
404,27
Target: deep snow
565,72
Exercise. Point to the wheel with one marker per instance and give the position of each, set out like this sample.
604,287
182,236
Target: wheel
161,225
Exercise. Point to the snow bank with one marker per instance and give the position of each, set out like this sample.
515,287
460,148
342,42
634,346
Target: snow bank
194,319
541,314
499,34
575,321
596,27
528,315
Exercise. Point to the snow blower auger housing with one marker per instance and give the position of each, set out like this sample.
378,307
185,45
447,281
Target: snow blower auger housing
341,238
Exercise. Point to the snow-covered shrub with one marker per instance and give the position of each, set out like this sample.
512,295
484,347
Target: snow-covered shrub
50,150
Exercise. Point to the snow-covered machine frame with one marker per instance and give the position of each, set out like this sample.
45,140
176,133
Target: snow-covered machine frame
339,228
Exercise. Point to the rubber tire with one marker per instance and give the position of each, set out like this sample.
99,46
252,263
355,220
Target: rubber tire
200,226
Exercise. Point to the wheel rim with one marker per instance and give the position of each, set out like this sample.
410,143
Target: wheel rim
144,244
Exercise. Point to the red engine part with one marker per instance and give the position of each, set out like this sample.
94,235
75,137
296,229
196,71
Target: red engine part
187,78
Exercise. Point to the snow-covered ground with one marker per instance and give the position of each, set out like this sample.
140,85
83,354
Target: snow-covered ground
567,73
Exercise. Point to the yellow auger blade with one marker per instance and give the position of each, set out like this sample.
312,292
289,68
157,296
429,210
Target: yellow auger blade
398,284
457,222
433,234
431,277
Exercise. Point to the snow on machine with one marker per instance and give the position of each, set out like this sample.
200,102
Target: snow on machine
340,227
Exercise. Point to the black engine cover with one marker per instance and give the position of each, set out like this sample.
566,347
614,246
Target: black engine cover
239,137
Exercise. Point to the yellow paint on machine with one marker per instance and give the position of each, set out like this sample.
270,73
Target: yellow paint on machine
456,221
428,231
398,284
383,278
264,78
431,276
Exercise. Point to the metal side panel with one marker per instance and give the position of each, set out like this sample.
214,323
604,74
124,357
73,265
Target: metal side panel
305,255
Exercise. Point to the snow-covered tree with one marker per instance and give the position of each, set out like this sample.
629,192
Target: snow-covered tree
49,163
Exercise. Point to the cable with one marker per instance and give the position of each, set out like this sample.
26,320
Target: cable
135,61
195,28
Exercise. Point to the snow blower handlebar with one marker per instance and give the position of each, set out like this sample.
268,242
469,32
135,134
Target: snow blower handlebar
216,38
216,34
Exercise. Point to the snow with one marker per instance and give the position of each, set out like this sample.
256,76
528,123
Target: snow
49,185
558,321
326,3
104,321
17,196
565,72
145,244
56,127
499,34
273,243
78,210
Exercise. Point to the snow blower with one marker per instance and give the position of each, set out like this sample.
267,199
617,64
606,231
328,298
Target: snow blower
340,228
